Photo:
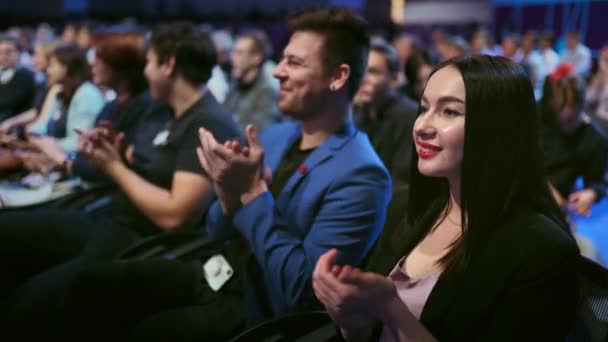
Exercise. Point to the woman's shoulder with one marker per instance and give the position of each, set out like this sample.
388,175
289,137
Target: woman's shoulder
89,91
529,232
595,133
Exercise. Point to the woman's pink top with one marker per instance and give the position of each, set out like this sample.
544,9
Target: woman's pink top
413,292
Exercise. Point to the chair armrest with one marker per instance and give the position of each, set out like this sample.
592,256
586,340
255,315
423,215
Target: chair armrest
183,245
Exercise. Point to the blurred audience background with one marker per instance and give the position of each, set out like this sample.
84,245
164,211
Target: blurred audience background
67,67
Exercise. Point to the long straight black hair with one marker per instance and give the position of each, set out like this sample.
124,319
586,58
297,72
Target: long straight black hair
501,166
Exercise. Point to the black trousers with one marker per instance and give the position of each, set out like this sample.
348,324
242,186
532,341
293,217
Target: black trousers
148,300
34,241
65,285
42,251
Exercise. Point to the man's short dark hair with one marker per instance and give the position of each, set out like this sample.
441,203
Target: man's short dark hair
346,39
534,34
574,33
513,36
548,36
261,43
5,38
416,44
388,51
193,49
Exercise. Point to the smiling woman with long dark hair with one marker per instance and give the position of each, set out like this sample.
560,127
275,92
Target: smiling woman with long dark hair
483,254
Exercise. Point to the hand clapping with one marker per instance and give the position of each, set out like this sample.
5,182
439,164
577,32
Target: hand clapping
97,146
582,201
353,298
235,170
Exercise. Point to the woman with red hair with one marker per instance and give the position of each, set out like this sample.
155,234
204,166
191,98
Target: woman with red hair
118,68
573,145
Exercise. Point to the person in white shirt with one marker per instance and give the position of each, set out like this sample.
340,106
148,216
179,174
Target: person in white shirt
219,83
533,61
481,43
596,97
576,54
550,57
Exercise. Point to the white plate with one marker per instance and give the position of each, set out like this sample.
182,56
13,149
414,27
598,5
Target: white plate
13,194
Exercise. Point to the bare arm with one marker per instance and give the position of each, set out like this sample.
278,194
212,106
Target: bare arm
47,106
402,324
561,201
21,119
169,209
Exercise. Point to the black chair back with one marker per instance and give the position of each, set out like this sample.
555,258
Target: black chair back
182,245
92,199
313,326
591,324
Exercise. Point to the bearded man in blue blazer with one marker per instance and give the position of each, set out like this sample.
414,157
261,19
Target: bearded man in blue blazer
329,189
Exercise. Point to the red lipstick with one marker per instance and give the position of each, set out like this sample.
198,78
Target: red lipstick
426,150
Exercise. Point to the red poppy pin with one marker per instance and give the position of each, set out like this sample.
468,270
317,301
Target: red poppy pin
562,71
303,169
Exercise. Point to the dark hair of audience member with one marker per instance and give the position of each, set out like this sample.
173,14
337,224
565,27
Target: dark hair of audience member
261,43
559,93
389,53
574,33
78,69
502,164
414,63
516,37
193,50
547,37
124,53
346,39
5,38
84,34
416,43
481,31
534,35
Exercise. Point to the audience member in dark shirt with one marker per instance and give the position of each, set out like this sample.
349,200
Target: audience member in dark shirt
119,65
573,146
128,120
17,85
173,155
41,61
417,70
252,96
166,193
386,117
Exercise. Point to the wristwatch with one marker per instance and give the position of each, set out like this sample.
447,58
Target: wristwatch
68,161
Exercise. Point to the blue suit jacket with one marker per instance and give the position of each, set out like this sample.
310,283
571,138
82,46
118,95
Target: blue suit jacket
339,201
